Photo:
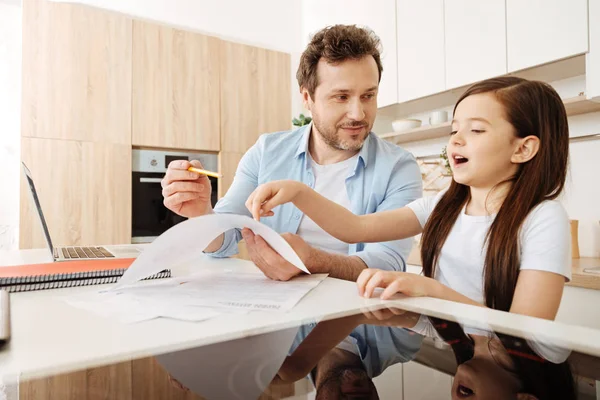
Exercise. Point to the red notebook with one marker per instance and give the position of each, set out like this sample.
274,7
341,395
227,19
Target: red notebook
22,278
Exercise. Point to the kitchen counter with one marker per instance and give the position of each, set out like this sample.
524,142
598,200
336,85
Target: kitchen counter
578,304
585,279
579,278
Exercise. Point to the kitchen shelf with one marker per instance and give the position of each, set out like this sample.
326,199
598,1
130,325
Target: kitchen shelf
580,105
573,105
421,133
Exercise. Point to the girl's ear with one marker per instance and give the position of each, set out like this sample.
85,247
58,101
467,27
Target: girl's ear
526,148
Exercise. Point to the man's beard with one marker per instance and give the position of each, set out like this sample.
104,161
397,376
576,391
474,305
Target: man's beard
332,138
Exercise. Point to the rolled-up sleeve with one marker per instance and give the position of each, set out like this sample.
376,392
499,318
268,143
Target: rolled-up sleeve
244,183
405,186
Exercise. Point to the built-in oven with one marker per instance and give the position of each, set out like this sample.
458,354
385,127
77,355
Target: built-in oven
150,217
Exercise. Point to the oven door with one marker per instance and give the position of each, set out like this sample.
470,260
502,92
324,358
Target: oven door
150,217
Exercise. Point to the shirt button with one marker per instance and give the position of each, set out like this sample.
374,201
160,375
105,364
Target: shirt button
297,217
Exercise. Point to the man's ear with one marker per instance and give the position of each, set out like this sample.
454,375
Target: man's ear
306,99
526,148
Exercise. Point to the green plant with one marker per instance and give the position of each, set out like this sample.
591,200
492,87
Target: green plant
444,156
301,120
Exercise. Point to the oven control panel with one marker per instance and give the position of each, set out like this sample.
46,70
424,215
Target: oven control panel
158,161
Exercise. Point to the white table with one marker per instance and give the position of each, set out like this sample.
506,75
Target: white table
50,337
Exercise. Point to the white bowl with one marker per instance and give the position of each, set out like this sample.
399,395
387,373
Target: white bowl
401,125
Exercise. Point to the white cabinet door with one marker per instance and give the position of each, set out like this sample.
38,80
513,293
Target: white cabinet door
475,40
541,31
424,383
420,27
379,16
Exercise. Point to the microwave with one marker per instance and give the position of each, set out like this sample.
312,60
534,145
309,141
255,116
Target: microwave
150,217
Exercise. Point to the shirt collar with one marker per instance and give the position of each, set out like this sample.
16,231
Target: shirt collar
305,131
303,145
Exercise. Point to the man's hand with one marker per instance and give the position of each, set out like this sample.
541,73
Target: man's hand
186,193
269,261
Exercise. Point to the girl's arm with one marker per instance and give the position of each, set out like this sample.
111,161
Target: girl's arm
538,293
333,218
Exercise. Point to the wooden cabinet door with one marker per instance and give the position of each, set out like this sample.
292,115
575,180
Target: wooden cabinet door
421,69
255,95
175,88
475,33
76,73
542,31
84,190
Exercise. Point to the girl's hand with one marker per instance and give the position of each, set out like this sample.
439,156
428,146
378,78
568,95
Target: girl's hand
269,195
394,282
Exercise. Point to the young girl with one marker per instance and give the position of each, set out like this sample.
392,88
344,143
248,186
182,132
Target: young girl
496,236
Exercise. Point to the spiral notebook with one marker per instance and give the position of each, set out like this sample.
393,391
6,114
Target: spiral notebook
25,278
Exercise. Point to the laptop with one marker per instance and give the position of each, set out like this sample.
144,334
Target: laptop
74,253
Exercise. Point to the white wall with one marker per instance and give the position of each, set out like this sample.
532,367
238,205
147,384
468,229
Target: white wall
10,106
272,24
581,196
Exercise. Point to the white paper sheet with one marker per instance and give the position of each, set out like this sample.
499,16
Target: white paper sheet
240,291
186,241
142,303
197,297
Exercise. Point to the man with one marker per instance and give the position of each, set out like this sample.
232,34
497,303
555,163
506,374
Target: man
336,154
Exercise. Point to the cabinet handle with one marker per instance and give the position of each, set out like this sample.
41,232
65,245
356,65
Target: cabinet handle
150,180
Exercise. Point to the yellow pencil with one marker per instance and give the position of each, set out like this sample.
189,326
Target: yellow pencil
204,172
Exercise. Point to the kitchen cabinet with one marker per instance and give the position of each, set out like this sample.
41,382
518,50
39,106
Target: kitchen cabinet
542,31
76,73
475,34
379,16
592,58
84,190
422,382
420,38
109,382
255,95
175,88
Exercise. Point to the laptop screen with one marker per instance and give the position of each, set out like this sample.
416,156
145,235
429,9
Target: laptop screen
36,201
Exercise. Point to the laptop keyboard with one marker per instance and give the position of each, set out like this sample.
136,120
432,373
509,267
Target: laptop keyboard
85,252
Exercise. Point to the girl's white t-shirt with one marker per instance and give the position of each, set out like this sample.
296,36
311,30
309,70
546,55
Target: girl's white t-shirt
545,245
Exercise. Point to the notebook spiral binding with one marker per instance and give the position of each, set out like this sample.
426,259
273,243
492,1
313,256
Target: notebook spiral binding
58,281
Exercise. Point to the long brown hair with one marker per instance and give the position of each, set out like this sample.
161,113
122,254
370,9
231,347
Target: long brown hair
533,108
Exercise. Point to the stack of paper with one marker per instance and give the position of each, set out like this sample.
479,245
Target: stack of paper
205,294
197,297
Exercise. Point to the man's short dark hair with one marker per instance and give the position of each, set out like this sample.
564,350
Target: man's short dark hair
336,44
